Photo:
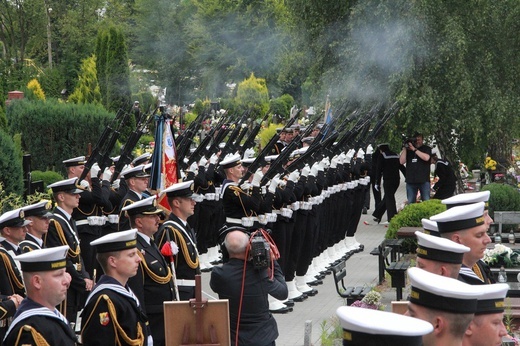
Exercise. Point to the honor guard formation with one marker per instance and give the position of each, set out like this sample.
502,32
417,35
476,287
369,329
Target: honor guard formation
95,265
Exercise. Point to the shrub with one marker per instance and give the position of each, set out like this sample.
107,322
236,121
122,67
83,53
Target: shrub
11,174
266,134
411,216
503,198
36,89
48,177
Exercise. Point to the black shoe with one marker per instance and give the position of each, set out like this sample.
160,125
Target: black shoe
281,310
206,270
289,303
311,293
364,210
377,220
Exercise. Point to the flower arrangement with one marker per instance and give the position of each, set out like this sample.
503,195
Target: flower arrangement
490,164
501,255
372,300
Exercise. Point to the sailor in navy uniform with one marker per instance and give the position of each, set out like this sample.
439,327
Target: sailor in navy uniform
62,231
112,313
37,321
154,283
177,230
136,178
465,224
13,228
39,214
11,283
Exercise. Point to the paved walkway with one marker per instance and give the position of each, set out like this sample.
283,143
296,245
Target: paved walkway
362,269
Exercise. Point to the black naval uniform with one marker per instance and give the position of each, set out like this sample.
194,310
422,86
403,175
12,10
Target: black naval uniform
62,231
187,259
130,197
10,283
387,169
480,274
112,316
445,186
30,243
34,322
153,285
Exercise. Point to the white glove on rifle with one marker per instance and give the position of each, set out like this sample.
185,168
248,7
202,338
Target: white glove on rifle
193,168
257,177
213,159
203,161
334,162
306,170
315,169
294,176
274,183
94,170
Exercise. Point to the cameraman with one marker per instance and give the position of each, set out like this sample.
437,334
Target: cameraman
416,156
247,288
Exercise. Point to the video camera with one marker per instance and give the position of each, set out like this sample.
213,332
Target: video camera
409,139
260,252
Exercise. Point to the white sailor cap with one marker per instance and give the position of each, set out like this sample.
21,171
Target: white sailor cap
460,218
47,259
231,160
441,292
135,172
249,153
430,227
141,159
13,218
247,161
67,185
308,140
116,241
146,206
41,209
362,327
468,198
75,161
116,158
439,249
492,298
184,189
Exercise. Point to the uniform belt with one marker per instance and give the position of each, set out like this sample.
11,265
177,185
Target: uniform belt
81,222
238,221
183,282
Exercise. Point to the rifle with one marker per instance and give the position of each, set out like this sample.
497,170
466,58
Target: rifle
201,150
261,156
101,145
228,148
126,157
250,140
186,138
105,160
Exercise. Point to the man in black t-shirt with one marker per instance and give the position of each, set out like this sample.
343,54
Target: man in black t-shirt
416,156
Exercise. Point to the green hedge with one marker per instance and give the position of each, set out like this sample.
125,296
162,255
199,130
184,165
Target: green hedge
48,177
53,131
503,198
11,174
411,216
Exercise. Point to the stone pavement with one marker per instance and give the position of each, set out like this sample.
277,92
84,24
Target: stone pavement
362,269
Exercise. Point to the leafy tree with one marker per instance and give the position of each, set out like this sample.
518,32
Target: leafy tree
11,175
281,105
252,95
87,89
36,89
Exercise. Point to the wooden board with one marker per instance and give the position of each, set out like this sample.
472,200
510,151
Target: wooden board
180,316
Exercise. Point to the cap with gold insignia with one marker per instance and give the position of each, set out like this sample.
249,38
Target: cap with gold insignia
270,158
248,161
13,218
308,140
467,198
231,160
439,249
375,327
184,189
430,227
67,185
135,172
146,206
41,209
441,293
141,159
117,241
76,161
47,259
491,299
460,218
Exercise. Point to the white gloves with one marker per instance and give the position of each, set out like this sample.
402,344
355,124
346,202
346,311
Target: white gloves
274,183
370,149
107,174
294,176
257,177
376,187
248,153
334,162
203,161
84,184
306,170
321,167
193,168
213,159
325,163
245,186
94,170
314,169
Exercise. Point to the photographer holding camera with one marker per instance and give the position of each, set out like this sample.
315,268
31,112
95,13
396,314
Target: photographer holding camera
416,156
246,286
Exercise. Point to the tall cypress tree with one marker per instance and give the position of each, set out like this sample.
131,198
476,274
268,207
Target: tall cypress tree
101,63
117,72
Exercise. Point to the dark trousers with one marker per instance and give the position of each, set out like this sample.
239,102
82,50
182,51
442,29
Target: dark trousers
388,203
